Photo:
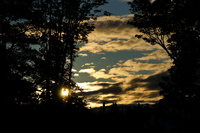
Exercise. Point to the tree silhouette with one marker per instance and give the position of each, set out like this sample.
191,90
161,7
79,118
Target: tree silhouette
56,28
174,25
16,54
61,25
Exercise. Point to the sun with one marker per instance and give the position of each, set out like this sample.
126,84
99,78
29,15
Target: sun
65,92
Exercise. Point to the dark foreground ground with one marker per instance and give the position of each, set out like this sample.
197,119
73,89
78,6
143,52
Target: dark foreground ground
138,119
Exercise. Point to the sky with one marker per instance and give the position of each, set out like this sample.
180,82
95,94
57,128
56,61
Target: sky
114,66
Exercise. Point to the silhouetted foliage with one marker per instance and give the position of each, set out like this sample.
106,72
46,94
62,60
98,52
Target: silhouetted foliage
16,54
174,25
62,26
39,42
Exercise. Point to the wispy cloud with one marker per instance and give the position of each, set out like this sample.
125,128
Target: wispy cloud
103,58
96,74
83,54
117,45
129,86
88,64
113,34
134,79
124,70
141,89
89,70
138,66
156,55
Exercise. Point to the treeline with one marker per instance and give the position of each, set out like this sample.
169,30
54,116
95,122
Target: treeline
39,41
157,118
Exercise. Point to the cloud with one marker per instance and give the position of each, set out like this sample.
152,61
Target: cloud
88,64
138,66
133,80
89,70
92,47
111,89
141,89
156,55
113,34
101,74
74,70
118,45
83,54
128,86
91,86
123,71
119,71
131,44
103,58
96,74
109,27
76,74
149,82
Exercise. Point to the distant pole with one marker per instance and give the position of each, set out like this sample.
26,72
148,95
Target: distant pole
104,107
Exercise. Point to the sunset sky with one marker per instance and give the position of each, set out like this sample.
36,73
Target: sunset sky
114,66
